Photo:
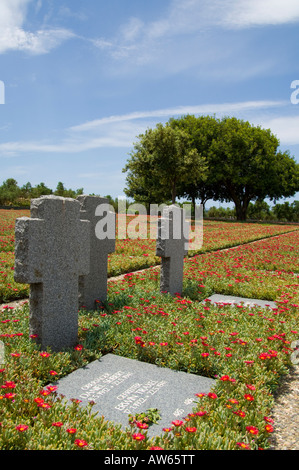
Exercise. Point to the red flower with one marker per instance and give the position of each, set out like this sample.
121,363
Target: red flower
248,397
268,420
191,429
21,427
177,422
45,354
240,413
81,443
243,445
252,429
15,354
141,425
138,436
71,430
8,385
264,356
212,395
44,405
38,400
269,428
79,347
251,387
138,340
58,424
224,378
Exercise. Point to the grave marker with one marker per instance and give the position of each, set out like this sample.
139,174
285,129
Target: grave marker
172,246
120,386
51,252
93,286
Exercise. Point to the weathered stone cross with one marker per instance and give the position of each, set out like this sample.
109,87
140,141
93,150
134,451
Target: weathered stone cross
172,246
51,252
93,286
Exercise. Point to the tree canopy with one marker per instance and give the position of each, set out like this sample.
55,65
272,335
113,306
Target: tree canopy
208,158
162,161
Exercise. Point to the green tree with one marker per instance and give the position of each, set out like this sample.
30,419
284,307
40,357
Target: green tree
259,210
9,192
40,190
163,159
60,189
286,211
202,130
246,165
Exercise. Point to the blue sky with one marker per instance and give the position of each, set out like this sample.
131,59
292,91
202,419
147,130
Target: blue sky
82,79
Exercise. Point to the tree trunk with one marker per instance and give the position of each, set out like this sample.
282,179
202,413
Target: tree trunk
193,206
241,210
173,193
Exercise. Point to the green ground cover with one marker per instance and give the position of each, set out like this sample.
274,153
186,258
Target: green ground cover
247,350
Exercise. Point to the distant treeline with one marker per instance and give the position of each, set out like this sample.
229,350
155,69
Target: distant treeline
12,195
260,210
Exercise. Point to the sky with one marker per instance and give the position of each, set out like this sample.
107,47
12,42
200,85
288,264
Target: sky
80,80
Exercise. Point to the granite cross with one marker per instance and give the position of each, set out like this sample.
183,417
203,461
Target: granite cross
172,246
93,286
51,252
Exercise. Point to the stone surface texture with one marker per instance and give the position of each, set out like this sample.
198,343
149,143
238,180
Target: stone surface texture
121,386
51,252
93,286
172,247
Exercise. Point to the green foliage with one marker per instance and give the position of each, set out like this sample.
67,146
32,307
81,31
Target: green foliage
149,417
162,160
246,351
13,195
207,158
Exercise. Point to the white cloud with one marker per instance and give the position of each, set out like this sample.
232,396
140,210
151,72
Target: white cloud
286,128
121,131
145,41
215,108
244,13
13,36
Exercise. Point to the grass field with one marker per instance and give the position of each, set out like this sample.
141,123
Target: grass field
246,350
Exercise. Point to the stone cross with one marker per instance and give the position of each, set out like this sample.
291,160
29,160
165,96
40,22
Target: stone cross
51,252
93,286
172,246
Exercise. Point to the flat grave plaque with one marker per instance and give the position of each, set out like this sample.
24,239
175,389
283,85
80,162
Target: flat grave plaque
246,302
121,386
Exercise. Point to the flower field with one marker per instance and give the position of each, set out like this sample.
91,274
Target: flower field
246,350
130,254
